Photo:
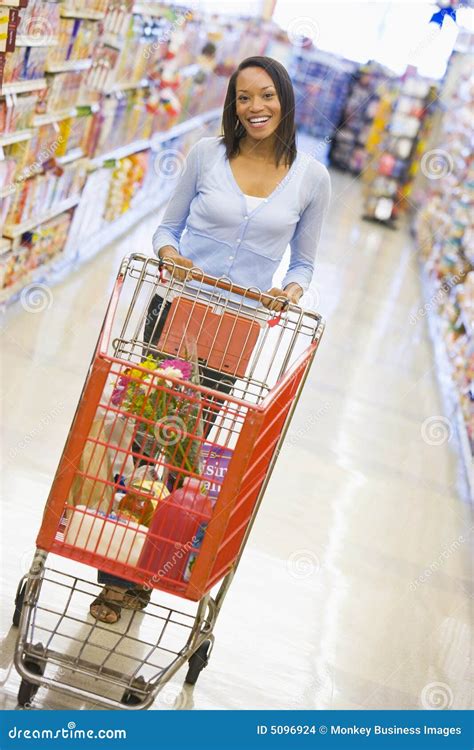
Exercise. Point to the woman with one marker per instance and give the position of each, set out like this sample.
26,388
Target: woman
241,199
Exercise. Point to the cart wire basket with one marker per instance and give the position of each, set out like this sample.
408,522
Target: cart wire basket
186,403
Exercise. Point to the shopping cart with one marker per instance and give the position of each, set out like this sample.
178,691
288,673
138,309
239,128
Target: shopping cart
160,480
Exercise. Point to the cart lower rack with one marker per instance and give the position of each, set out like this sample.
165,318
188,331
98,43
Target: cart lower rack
189,394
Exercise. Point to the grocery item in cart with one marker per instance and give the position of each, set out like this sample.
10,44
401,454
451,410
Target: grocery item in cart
176,530
108,536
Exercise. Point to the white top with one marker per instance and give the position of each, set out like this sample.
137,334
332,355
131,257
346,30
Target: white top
252,201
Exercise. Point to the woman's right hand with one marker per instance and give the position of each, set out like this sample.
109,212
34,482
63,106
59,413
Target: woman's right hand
183,265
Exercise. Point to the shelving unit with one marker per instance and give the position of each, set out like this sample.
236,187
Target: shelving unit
17,137
49,117
95,122
68,65
12,231
35,41
88,15
23,87
391,151
444,230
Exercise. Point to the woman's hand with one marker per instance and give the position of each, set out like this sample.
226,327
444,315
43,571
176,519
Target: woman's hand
183,265
292,292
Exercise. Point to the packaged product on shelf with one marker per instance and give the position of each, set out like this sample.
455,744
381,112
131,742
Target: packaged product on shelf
7,174
39,19
16,111
96,6
25,64
47,241
127,179
76,40
13,267
65,90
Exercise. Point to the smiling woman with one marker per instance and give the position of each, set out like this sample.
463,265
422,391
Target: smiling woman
243,197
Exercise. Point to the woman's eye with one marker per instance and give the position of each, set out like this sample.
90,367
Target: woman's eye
269,95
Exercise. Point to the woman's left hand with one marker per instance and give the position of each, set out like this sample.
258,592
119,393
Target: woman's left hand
292,292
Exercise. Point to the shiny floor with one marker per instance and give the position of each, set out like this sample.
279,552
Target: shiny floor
354,590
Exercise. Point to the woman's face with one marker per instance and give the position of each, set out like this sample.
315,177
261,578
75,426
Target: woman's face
257,104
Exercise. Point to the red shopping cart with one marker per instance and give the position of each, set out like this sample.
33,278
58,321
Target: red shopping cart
188,397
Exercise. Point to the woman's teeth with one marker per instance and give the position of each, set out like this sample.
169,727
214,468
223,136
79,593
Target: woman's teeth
258,122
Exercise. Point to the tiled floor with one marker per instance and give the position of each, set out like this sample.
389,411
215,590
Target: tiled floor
354,590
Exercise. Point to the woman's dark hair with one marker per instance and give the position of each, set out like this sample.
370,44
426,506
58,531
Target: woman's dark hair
233,130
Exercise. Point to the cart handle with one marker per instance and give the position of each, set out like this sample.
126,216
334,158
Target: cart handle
227,285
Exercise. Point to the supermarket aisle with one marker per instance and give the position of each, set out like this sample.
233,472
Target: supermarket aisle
354,590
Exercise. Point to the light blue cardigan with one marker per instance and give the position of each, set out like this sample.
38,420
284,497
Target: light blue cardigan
207,221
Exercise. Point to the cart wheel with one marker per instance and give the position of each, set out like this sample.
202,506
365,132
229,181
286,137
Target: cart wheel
19,599
27,689
130,698
197,662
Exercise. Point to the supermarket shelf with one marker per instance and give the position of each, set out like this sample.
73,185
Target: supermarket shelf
76,153
184,127
12,231
36,276
69,65
141,145
121,152
5,245
112,40
445,378
94,244
126,86
50,117
88,15
17,137
23,87
35,41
